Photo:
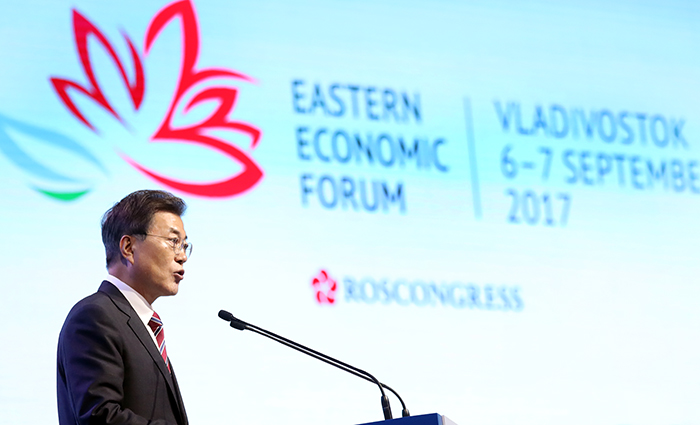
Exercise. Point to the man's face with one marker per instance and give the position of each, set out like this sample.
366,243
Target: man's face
157,270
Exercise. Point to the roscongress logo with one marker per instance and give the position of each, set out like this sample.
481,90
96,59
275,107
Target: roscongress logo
195,86
324,287
418,293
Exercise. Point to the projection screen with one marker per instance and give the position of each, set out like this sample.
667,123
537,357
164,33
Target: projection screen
492,206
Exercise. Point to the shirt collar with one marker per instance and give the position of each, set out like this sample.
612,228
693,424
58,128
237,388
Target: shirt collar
137,301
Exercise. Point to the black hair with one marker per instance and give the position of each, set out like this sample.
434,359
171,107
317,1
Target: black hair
133,216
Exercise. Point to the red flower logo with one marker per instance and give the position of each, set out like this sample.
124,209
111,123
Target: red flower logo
206,133
325,287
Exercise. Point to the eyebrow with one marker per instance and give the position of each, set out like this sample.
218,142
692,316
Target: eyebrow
176,231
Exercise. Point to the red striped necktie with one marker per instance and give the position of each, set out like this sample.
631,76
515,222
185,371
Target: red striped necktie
156,326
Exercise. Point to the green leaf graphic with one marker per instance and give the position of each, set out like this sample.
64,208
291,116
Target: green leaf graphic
63,196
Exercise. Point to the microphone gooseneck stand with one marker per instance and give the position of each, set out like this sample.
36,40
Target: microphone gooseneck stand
241,326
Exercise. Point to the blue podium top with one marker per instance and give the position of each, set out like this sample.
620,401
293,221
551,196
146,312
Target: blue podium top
429,419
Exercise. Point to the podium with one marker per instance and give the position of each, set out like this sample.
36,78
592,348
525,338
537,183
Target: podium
429,419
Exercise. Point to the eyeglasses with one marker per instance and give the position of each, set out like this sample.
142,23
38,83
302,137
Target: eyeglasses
178,245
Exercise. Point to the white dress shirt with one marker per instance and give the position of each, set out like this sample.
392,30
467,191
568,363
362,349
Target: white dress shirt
138,303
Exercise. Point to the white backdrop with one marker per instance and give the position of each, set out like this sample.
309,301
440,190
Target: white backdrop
531,259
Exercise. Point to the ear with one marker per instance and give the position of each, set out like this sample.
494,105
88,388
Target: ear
126,248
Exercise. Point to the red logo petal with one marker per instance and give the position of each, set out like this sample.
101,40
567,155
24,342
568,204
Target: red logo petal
82,29
200,134
225,97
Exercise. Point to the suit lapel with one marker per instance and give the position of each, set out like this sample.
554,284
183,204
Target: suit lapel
142,334
183,414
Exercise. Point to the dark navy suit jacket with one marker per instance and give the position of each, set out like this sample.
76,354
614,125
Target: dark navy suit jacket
109,369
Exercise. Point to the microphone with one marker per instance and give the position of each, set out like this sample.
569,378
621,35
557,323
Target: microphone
241,326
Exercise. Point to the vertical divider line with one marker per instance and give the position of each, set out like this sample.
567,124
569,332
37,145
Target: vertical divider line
476,190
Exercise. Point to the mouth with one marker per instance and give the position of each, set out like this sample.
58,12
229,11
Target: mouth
179,275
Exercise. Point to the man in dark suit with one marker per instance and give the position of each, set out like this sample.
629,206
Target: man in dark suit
113,366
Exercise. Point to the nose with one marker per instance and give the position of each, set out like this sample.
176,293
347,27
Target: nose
181,257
